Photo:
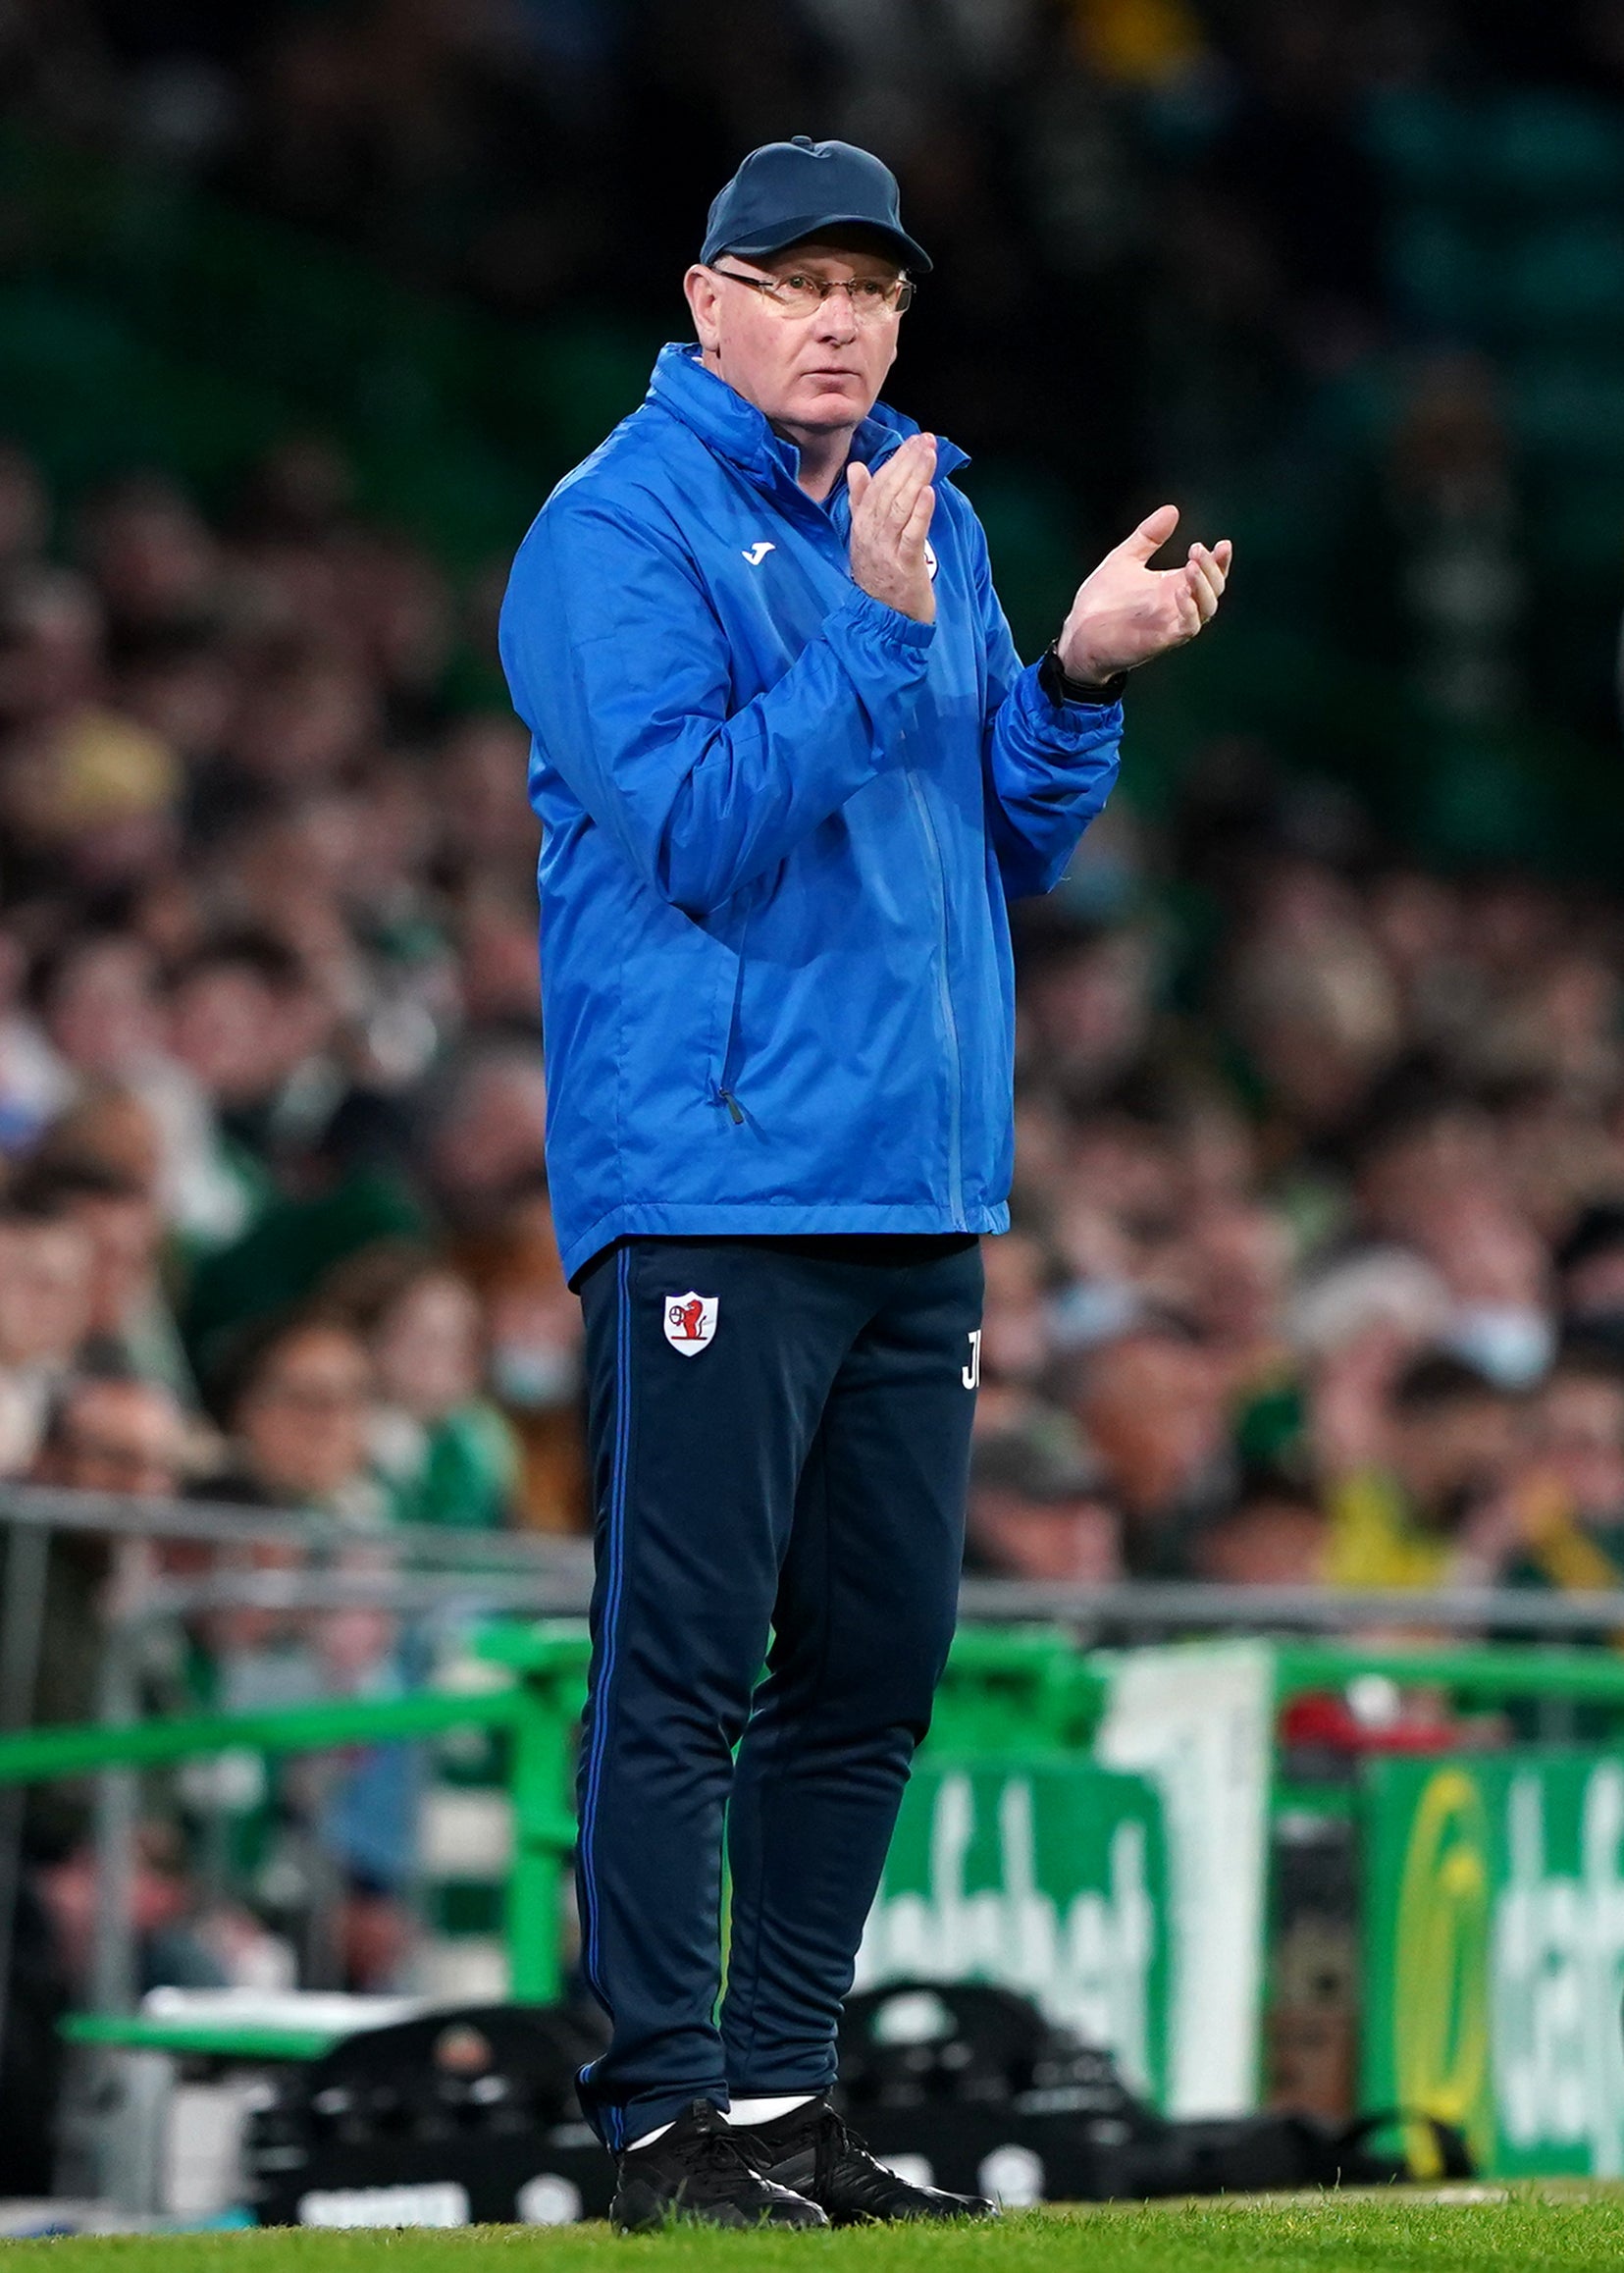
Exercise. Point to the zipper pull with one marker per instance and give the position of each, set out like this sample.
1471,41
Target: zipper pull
732,1103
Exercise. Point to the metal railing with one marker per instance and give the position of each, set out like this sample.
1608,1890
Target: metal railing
418,1572
537,1710
1165,1606
433,1575
230,1524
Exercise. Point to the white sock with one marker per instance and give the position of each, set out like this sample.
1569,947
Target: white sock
768,2110
649,2136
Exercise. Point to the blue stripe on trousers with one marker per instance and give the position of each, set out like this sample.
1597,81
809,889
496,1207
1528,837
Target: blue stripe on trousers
616,1548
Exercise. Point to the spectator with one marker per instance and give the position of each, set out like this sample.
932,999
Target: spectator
128,1321
113,1431
487,1121
489,830
30,1082
1571,1498
297,1402
1276,1534
153,558
46,1267
537,1360
89,797
115,1128
1088,1004
242,1020
107,1431
1152,1404
1236,1271
1039,1508
1017,1334
175,1945
445,1454
101,1010
1590,1264
1432,1508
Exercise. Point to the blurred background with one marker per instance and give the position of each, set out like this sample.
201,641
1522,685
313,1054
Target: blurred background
1317,1274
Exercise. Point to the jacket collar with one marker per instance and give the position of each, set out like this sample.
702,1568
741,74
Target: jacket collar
739,432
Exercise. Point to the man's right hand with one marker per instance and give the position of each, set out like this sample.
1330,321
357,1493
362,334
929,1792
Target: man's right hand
890,517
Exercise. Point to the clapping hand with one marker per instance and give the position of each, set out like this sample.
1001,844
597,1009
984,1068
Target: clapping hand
1127,612
890,519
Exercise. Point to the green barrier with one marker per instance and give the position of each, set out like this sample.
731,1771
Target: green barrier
1490,1911
539,1712
1493,1914
1490,1675
1003,1691
1048,1878
1094,1829
223,2040
1263,1977
1016,1689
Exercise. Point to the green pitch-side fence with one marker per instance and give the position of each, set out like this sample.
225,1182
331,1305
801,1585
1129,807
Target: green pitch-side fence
1102,1829
539,1711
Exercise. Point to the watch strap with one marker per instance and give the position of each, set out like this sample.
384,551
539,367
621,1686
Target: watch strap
1052,677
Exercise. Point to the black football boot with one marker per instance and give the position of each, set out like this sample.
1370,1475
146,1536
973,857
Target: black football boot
813,2151
699,2174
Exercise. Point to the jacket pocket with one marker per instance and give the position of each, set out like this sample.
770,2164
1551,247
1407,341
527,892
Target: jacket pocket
727,1066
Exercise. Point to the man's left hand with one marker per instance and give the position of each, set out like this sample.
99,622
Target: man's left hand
1127,612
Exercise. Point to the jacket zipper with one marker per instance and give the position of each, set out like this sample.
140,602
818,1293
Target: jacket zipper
724,1087
956,1101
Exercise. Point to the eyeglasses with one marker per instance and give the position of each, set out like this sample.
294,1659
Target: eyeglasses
801,294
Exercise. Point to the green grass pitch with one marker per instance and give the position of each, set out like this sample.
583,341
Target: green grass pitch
1471,2230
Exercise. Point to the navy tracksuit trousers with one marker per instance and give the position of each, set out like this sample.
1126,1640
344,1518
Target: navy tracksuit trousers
780,1435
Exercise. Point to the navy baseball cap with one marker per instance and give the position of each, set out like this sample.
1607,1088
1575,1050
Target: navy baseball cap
787,191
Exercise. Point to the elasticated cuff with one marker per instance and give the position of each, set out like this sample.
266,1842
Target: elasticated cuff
864,613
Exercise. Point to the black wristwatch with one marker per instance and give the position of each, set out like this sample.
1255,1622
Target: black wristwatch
1053,679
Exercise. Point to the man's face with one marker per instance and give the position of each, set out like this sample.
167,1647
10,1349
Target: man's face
239,1034
1579,1434
813,374
1076,1541
303,1422
45,1293
1454,1453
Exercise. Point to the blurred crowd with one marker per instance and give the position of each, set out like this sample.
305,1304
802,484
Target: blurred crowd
274,1222
1317,1262
271,1091
1317,1268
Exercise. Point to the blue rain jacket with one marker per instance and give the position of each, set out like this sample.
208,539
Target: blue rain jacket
780,824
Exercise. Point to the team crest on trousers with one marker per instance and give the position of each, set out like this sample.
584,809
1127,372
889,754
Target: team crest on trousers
690,1322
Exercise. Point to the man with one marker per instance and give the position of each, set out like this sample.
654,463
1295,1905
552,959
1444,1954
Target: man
129,1323
1570,1498
106,1431
789,768
1434,1507
1040,1507
46,1271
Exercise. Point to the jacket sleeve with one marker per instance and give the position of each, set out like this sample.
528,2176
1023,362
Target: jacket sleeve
1048,766
618,662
